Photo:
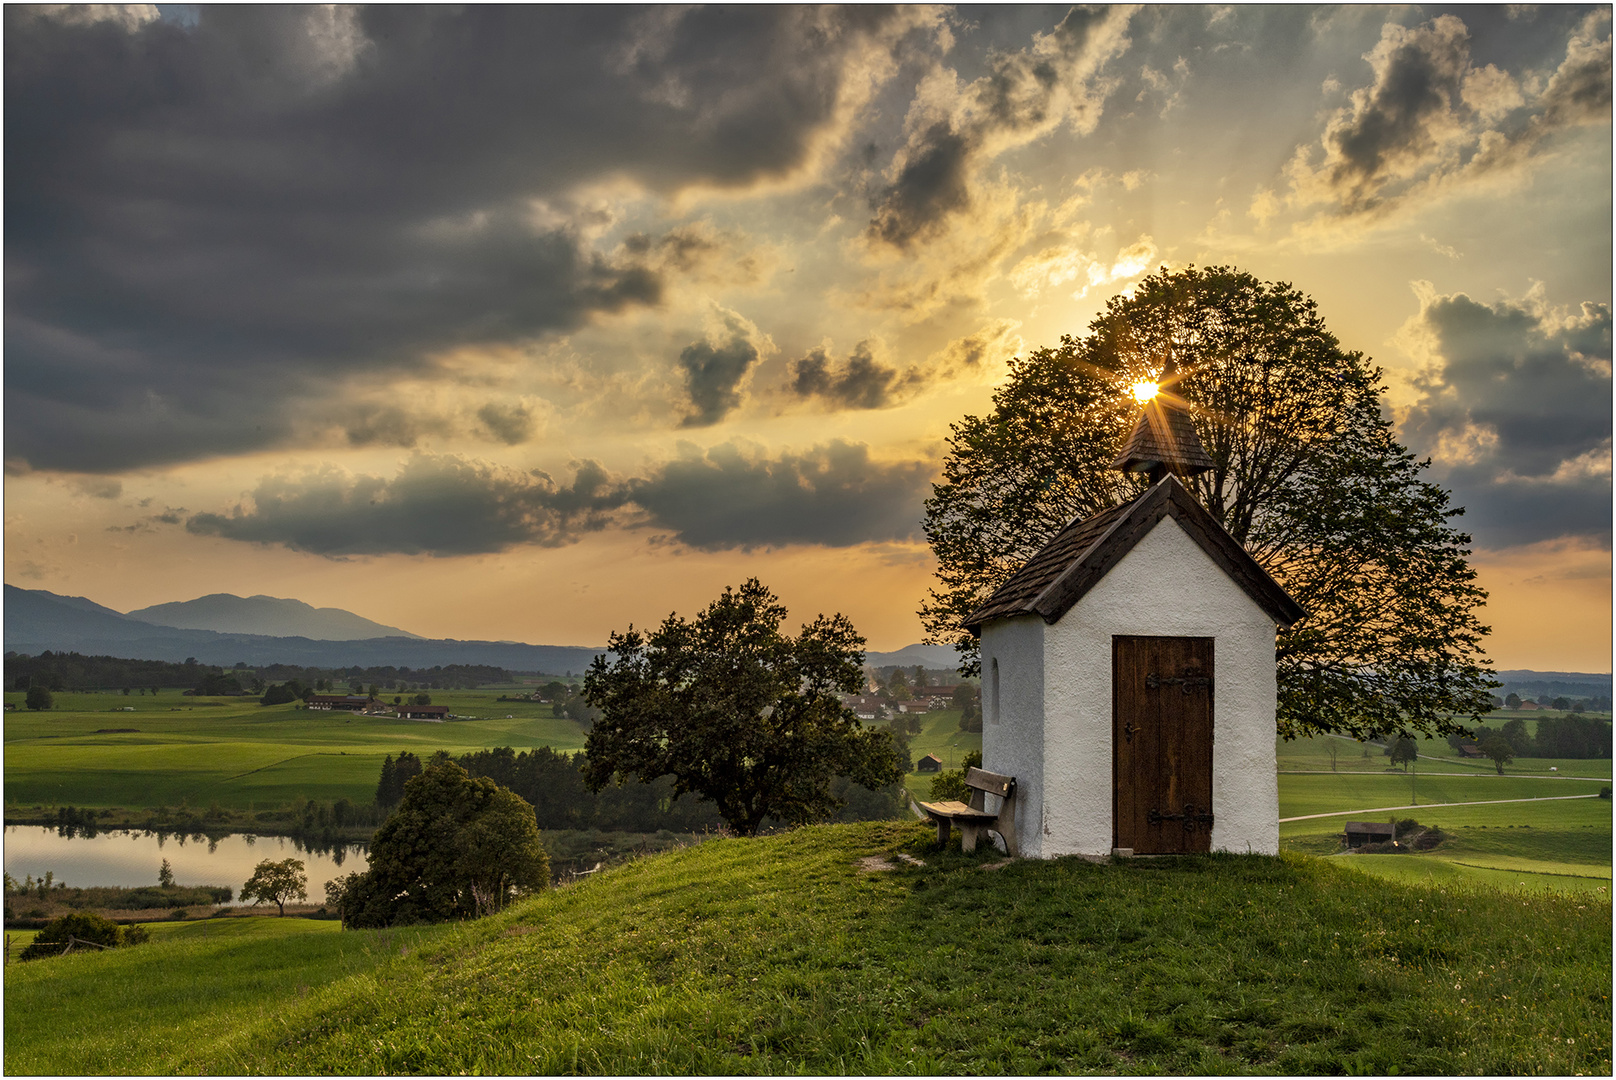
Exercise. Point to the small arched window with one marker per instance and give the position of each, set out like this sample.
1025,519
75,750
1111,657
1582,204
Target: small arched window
993,692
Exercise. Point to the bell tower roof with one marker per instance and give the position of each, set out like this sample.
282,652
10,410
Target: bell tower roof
1164,439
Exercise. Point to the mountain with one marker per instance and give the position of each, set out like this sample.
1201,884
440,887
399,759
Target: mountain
37,620
1552,684
267,616
933,657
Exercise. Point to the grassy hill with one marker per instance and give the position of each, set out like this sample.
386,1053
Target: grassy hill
785,954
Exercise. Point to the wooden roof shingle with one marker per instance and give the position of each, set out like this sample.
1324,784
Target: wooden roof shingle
1082,553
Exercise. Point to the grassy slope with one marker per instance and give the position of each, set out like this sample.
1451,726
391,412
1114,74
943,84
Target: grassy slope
237,753
778,956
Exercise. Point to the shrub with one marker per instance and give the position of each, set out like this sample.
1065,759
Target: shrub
53,940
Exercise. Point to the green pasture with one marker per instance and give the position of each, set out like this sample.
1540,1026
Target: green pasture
940,735
195,983
1313,755
1442,872
238,754
789,955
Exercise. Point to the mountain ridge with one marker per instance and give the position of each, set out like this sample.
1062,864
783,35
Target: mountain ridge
268,616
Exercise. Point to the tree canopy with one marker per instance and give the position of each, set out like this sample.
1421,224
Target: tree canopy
275,883
1307,474
456,848
738,712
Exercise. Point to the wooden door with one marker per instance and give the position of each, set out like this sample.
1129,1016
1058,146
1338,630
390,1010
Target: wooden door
1161,729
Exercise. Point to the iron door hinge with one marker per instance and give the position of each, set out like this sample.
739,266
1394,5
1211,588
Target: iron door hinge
1191,817
1188,681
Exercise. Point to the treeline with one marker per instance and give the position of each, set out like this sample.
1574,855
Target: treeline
441,677
71,671
553,783
1570,736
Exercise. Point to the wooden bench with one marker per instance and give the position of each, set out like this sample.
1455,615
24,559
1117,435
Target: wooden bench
974,819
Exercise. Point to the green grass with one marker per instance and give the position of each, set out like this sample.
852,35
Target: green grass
236,753
777,955
203,983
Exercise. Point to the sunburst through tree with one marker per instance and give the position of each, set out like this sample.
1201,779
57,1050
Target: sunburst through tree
1303,469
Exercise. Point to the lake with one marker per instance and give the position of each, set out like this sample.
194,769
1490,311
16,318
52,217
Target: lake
133,858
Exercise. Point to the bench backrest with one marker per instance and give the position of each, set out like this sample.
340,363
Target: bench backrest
991,782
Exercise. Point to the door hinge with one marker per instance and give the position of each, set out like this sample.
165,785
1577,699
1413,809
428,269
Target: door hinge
1188,681
1191,817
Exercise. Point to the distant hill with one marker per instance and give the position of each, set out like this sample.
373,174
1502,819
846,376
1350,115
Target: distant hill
929,656
267,616
37,620
1553,684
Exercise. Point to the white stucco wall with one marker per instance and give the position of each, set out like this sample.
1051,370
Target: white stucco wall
1165,586
1013,732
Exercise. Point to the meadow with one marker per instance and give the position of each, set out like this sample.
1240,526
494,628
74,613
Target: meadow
238,754
789,954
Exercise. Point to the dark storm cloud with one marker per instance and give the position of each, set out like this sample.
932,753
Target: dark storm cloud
713,374
510,424
728,497
861,383
276,197
436,505
1517,415
1023,94
1431,114
832,495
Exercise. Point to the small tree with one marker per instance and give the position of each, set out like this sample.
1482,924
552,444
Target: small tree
1497,747
276,883
737,712
1512,701
38,697
165,875
458,847
1403,752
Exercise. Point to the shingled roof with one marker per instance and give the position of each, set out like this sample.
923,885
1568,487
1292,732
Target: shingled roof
1082,553
1164,437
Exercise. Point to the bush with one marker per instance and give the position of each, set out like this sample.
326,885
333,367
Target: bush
81,926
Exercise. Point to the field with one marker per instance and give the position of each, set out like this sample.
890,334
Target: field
1552,843
237,753
243,757
788,954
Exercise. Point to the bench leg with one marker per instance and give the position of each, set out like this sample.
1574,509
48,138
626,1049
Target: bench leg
968,835
943,827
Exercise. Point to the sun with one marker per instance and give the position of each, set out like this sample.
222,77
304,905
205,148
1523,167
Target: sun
1143,391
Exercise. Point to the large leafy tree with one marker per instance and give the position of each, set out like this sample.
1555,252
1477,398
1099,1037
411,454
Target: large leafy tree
456,848
1308,475
738,712
275,883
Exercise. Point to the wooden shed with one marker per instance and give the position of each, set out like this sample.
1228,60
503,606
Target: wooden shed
1359,833
1128,679
929,763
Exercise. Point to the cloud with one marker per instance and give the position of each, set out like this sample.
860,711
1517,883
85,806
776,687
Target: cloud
436,505
1432,119
716,369
256,205
952,129
1514,409
733,495
510,424
863,382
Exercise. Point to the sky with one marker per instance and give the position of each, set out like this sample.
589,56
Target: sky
530,323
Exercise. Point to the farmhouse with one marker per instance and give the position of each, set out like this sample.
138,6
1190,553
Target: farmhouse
424,712
1128,672
344,702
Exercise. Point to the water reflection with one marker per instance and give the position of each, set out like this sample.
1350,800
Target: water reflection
81,856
